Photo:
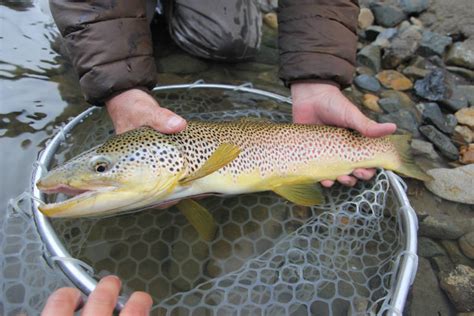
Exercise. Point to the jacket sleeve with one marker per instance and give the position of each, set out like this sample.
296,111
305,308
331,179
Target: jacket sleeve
317,40
109,43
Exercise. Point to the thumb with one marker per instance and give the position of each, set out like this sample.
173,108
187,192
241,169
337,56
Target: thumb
166,121
368,127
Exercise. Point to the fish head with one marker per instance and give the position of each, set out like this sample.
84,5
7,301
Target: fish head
129,171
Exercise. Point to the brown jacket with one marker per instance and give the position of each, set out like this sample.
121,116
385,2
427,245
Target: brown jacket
110,43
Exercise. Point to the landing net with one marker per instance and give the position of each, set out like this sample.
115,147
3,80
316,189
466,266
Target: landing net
355,255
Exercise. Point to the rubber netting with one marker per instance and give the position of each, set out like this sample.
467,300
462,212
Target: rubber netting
269,256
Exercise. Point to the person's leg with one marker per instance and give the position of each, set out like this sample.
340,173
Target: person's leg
226,30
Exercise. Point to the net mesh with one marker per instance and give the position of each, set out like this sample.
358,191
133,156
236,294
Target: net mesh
269,256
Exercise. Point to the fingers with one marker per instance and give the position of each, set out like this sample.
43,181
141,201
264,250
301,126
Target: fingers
347,180
135,108
104,297
166,121
351,180
137,305
327,183
364,174
355,119
62,302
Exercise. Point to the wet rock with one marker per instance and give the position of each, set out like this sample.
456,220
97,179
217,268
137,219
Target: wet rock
367,82
433,44
466,243
466,116
366,18
456,101
461,54
453,184
404,119
389,104
373,31
431,114
433,87
429,248
463,134
181,64
468,92
414,6
426,289
404,25
271,20
451,122
369,56
415,72
467,154
402,48
392,79
455,253
384,37
459,286
442,264
387,15
402,98
370,102
416,22
464,72
441,141
422,148
362,70
439,227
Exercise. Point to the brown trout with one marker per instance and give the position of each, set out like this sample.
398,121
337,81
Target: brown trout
144,168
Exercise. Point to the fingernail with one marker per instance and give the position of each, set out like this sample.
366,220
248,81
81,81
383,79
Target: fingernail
116,278
175,122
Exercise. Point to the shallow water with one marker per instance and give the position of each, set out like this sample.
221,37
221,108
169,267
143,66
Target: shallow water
39,92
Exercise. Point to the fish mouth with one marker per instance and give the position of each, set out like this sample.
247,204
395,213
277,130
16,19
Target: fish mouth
63,188
76,196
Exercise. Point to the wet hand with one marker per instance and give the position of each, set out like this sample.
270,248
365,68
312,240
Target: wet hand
100,302
318,103
134,108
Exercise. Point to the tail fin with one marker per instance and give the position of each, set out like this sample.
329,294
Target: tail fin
408,167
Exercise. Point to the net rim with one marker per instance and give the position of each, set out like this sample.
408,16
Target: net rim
81,277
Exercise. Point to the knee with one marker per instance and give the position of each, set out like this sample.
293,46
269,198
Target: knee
215,35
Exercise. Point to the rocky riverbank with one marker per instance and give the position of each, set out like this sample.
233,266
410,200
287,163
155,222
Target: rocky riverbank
420,77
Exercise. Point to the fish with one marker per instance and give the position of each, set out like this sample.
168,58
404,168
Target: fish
144,168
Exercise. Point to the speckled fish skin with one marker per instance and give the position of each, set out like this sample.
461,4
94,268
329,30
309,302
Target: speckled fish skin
271,150
144,167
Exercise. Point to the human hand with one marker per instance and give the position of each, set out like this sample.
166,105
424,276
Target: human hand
100,302
134,108
319,103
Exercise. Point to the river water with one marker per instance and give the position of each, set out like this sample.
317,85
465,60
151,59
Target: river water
40,92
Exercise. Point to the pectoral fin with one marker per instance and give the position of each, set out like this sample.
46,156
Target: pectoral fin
199,217
305,194
224,154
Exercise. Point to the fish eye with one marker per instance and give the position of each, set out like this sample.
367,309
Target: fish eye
101,167
100,164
